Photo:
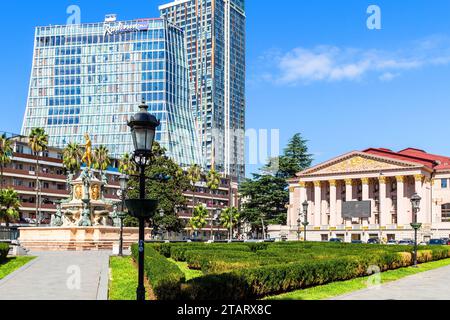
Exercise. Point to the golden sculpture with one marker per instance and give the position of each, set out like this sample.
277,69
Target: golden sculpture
95,192
78,192
87,157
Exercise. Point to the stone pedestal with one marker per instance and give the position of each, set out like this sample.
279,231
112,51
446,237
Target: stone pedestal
77,238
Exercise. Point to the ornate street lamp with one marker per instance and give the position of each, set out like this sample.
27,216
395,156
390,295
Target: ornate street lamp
123,181
415,201
143,129
305,216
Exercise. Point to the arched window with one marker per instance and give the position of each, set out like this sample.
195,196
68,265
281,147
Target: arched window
445,212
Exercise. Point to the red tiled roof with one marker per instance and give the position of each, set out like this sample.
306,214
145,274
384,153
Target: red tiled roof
431,161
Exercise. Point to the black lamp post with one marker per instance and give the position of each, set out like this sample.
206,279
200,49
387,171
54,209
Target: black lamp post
143,128
305,216
123,181
415,201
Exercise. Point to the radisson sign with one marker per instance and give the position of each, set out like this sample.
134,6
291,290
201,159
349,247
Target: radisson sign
120,27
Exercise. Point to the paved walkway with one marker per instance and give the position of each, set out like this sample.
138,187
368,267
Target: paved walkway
59,276
430,285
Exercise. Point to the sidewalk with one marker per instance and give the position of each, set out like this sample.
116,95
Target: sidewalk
430,285
59,276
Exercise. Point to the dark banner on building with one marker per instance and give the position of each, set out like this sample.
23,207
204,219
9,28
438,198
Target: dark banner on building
356,209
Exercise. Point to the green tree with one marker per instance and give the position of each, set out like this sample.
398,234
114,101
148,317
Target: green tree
295,158
9,206
194,175
265,197
101,159
6,152
38,142
229,218
198,220
166,183
127,165
72,155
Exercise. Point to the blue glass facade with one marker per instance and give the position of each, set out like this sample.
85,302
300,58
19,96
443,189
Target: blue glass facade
91,78
215,40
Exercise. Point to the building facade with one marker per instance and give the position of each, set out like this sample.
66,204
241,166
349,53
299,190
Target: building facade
385,179
21,175
215,39
91,78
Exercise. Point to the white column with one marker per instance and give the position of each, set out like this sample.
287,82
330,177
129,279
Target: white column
402,216
324,209
365,197
348,197
383,210
333,203
422,214
317,203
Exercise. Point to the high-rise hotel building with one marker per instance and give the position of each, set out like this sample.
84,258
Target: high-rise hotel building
90,78
215,39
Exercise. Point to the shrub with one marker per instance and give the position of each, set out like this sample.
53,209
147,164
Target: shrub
164,276
254,247
4,249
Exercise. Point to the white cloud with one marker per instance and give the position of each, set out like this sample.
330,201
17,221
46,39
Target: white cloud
388,76
331,63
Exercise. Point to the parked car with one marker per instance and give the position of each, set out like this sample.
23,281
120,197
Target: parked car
406,242
336,240
392,243
446,241
423,243
437,242
357,242
373,241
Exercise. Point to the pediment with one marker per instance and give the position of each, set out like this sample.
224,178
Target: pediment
358,162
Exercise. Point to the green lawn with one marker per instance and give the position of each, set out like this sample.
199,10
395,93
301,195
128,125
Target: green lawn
123,279
13,264
341,288
190,274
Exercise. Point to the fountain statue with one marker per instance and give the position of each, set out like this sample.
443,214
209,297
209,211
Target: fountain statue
86,205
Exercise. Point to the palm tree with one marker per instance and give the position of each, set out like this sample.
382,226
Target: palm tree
101,159
72,155
213,183
194,175
127,165
5,155
198,220
229,218
38,142
9,205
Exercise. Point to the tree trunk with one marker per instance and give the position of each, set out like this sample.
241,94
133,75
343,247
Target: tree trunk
1,177
37,191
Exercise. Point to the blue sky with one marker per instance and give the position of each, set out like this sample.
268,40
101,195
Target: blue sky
313,67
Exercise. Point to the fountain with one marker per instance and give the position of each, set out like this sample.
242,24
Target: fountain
83,221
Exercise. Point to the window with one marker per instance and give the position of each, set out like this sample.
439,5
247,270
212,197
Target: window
444,183
445,213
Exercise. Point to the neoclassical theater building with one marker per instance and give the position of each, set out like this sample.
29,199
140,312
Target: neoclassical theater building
387,180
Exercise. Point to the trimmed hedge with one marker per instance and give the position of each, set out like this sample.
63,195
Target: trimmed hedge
4,249
250,284
256,270
164,276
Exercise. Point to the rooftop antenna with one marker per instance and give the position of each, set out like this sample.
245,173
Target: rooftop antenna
111,17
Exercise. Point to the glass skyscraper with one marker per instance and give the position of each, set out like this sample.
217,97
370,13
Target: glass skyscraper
92,78
215,40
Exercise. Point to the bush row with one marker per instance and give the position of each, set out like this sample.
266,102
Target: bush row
4,249
276,279
164,276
